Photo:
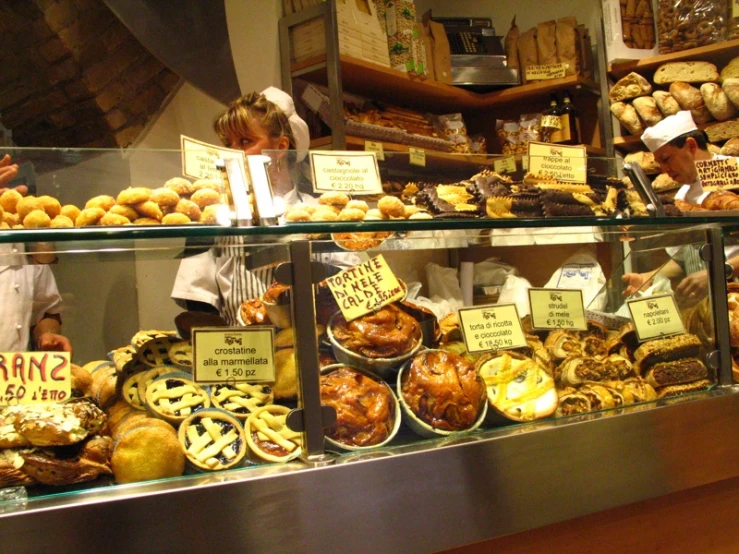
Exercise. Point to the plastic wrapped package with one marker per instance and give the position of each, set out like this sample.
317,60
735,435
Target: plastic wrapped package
684,24
400,18
452,127
507,132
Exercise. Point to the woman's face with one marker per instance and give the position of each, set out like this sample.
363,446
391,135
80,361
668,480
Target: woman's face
256,140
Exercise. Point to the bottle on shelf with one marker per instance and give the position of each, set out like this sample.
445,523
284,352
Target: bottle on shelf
551,124
570,121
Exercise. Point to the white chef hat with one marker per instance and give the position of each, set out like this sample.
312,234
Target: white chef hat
297,125
669,128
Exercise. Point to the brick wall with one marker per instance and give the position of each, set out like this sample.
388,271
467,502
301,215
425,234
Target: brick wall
72,75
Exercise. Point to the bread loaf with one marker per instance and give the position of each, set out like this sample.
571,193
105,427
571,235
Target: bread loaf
717,102
731,88
628,117
731,70
686,72
645,160
630,86
723,131
665,102
663,182
647,109
690,98
713,149
731,148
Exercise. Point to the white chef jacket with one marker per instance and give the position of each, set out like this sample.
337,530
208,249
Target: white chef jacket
27,291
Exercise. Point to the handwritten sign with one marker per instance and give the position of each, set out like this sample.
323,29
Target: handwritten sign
376,147
565,163
545,72
718,173
199,158
34,377
417,156
491,328
557,309
656,316
365,288
551,121
354,172
233,354
505,165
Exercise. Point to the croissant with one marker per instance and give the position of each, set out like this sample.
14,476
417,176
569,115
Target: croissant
721,200
684,206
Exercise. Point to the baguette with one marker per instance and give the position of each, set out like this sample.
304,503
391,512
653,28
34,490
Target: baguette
690,98
666,350
717,102
686,72
626,114
647,109
665,102
632,85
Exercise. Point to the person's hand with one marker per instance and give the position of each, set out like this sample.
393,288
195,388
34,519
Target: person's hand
8,171
54,342
633,282
693,288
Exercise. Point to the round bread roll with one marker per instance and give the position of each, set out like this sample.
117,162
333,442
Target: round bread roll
132,421
61,222
26,205
103,388
690,98
71,211
647,109
50,205
630,86
9,200
717,102
145,453
731,147
665,102
626,114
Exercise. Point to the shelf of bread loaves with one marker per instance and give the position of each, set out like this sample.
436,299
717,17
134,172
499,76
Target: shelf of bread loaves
703,80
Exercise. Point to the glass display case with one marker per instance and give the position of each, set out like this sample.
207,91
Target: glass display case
376,376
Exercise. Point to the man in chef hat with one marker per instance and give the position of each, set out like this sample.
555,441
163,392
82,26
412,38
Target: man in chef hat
677,144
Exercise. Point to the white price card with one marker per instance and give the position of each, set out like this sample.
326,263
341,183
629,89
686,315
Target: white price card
656,317
557,309
199,159
352,172
491,328
566,163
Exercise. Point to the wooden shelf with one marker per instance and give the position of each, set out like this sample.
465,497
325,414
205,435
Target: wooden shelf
382,83
631,143
719,53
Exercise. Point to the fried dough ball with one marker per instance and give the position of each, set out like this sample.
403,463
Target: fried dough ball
9,199
103,201
50,205
36,219
209,216
375,214
410,210
324,216
206,184
4,225
181,186
110,220
294,216
164,197
133,195
11,219
205,197
351,214
26,205
338,199
358,205
189,208
391,206
126,211
89,216
71,211
61,222
175,219
146,221
149,209
373,217
421,215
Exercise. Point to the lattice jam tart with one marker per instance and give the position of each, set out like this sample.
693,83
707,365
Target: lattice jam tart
213,440
174,398
241,399
269,437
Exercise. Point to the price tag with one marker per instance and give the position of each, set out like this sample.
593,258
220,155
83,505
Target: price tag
376,147
491,328
656,316
505,165
565,163
735,9
34,377
546,71
199,159
557,309
417,156
718,173
365,288
353,172
233,354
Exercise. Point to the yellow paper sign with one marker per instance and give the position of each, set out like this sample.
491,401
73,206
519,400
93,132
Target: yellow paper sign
718,173
656,316
557,309
735,9
199,158
565,163
233,354
491,328
417,156
376,147
353,172
34,377
547,71
505,165
365,288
